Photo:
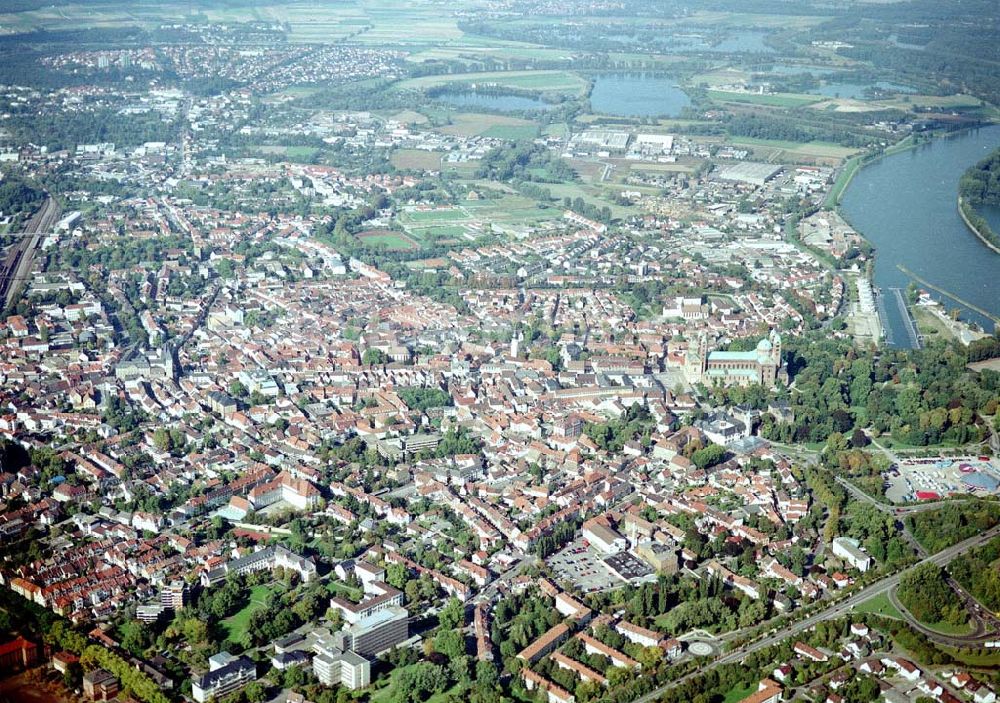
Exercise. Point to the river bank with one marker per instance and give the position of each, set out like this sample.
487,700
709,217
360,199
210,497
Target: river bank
903,203
975,230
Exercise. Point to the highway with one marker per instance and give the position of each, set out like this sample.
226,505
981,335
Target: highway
897,510
16,267
885,585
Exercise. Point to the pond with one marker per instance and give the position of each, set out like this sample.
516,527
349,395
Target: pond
638,95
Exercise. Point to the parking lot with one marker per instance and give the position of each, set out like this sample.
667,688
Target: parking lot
938,477
581,565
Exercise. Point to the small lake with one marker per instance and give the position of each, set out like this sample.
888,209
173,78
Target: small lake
844,89
785,69
906,205
509,103
751,42
638,95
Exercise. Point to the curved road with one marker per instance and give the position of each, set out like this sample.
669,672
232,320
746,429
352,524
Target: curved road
885,585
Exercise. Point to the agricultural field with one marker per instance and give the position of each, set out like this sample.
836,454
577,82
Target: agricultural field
474,124
791,150
416,159
773,100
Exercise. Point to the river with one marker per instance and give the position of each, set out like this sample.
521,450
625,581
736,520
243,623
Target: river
906,206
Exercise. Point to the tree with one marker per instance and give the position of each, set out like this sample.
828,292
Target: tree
708,456
450,643
419,682
255,692
452,615
373,357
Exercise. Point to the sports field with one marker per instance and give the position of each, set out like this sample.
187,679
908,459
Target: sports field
394,241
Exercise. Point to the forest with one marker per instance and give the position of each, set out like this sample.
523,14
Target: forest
981,184
977,572
939,529
921,397
924,591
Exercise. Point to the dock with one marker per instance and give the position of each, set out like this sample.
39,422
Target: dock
985,313
908,323
883,318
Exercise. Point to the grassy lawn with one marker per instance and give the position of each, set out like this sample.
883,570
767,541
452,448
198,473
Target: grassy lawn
294,153
444,214
235,626
880,605
339,588
843,179
775,100
387,238
440,231
987,659
512,132
738,693
946,628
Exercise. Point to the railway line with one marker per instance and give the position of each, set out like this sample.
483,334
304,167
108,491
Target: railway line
16,267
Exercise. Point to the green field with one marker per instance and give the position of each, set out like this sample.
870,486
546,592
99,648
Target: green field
473,124
441,232
946,628
388,239
986,659
843,180
235,626
820,149
435,215
512,132
775,100
417,159
880,605
293,153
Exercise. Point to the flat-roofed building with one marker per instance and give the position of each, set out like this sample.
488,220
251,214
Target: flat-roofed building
850,551
346,668
378,632
226,674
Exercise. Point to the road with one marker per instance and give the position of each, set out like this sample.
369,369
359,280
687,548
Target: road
16,267
896,509
885,585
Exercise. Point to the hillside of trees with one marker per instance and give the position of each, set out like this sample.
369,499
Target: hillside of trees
925,592
981,184
977,572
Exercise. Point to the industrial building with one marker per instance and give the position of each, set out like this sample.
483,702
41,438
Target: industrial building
750,172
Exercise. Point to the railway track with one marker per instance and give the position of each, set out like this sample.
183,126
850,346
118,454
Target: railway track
16,267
